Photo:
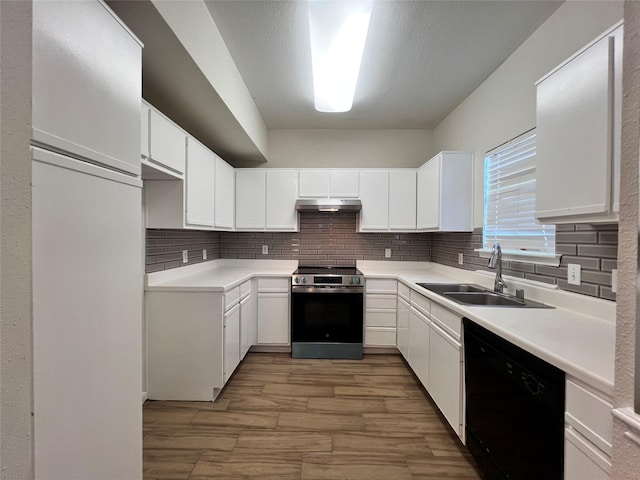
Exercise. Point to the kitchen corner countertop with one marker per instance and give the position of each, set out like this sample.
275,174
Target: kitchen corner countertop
216,275
577,336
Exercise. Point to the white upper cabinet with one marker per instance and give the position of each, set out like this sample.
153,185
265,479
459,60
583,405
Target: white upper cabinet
167,142
282,193
402,200
445,193
250,199
86,83
224,195
144,131
374,195
578,120
200,185
337,183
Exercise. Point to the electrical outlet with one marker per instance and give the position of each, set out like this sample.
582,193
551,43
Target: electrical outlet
204,253
614,280
573,274
387,253
265,249
185,256
460,259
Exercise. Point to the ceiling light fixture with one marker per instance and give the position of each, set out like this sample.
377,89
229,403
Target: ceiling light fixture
338,32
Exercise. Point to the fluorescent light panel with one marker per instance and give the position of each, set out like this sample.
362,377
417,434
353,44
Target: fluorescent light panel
338,34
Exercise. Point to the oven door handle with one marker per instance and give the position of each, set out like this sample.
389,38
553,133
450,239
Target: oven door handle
351,290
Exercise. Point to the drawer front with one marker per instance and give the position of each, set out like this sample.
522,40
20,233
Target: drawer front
381,301
404,291
583,461
274,285
231,298
449,321
381,286
590,415
421,303
380,336
380,318
245,289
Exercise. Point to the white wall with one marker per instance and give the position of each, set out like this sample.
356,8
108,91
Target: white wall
349,148
16,390
504,105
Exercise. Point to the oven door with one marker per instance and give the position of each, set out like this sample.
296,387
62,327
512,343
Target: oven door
327,315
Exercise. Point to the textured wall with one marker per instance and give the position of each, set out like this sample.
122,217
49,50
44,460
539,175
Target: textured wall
594,247
326,239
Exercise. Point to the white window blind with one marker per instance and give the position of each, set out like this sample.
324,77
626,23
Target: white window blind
510,200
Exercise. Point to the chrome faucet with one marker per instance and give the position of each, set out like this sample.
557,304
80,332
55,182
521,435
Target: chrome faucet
495,261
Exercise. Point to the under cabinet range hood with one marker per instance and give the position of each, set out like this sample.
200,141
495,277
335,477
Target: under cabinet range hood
328,205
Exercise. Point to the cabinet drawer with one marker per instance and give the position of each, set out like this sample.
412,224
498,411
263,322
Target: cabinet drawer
380,336
421,303
381,286
274,284
404,291
380,318
245,289
582,460
381,301
231,298
450,322
589,415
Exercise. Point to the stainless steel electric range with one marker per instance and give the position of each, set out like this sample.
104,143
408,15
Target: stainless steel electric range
327,312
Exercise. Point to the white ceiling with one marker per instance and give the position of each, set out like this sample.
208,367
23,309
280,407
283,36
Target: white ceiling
421,59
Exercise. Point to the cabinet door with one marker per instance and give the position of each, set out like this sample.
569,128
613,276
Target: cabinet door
403,327
419,345
343,183
582,460
273,318
402,199
428,208
247,325
250,199
87,84
225,195
200,185
374,195
282,193
144,132
166,142
445,375
231,341
314,183
574,135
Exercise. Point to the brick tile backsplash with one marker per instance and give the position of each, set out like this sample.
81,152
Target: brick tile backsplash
332,239
326,239
593,247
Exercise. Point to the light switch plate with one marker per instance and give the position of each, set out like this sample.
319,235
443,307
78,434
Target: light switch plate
573,274
265,249
185,256
614,280
387,253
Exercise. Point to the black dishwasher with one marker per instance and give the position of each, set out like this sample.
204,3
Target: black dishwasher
514,408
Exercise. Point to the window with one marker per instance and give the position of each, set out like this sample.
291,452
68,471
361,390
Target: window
509,203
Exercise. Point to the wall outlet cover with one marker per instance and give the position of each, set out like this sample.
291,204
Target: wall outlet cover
185,256
614,280
265,249
387,253
573,274
204,253
460,259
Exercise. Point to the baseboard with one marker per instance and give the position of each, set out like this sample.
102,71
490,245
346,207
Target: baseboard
144,397
271,348
381,350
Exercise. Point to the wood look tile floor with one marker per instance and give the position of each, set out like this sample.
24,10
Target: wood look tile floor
284,418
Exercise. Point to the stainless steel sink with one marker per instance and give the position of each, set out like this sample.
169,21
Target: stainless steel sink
470,294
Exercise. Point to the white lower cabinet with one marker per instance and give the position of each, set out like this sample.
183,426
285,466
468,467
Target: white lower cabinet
248,318
419,345
404,311
273,311
445,375
380,313
588,433
231,340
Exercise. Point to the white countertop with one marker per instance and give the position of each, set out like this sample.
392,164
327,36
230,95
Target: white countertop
578,336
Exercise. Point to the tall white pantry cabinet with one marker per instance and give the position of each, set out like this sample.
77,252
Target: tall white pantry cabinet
87,260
